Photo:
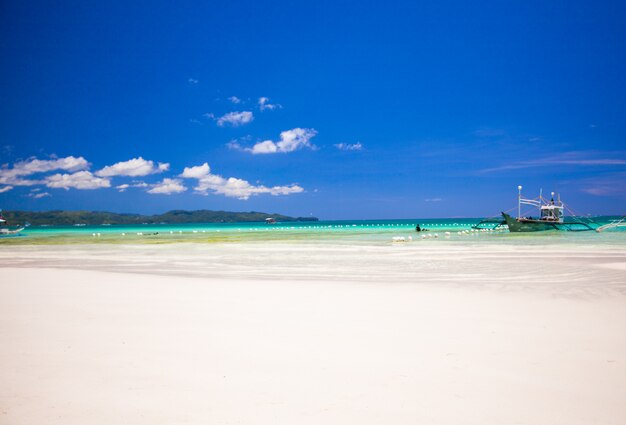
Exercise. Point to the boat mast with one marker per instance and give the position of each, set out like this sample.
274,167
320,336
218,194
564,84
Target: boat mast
519,201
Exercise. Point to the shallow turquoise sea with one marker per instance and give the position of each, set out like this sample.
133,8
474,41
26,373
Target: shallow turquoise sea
348,232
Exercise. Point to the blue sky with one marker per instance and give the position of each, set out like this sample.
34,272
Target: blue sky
336,109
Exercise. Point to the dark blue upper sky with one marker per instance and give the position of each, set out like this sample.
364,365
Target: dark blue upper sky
374,110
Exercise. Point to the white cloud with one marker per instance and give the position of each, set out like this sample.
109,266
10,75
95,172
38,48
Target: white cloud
238,188
196,172
17,181
123,187
5,189
264,104
433,200
38,195
14,176
192,81
232,187
234,119
348,147
133,167
264,147
566,159
167,187
290,140
79,180
234,99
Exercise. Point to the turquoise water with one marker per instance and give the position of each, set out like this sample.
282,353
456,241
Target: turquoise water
360,231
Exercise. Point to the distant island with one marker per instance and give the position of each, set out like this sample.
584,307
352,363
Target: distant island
68,218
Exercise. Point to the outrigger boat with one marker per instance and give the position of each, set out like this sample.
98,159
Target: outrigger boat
550,216
5,229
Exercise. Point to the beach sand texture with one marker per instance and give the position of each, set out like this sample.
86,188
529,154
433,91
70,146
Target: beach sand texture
298,334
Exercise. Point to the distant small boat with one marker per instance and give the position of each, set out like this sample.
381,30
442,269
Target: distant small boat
270,220
5,229
551,216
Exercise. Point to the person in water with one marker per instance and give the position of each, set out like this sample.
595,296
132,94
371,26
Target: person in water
419,229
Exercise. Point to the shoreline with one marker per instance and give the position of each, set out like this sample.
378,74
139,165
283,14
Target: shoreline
566,268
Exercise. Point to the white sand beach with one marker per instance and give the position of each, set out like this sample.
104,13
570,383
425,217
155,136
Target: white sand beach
308,334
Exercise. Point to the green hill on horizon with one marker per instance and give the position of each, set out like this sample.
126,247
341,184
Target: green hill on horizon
59,217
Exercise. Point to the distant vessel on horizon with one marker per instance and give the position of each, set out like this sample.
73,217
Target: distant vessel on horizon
551,216
5,229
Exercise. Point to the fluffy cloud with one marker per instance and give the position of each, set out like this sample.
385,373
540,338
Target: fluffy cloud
234,119
167,187
234,99
264,103
192,81
232,187
14,176
348,147
196,172
135,167
79,180
290,140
